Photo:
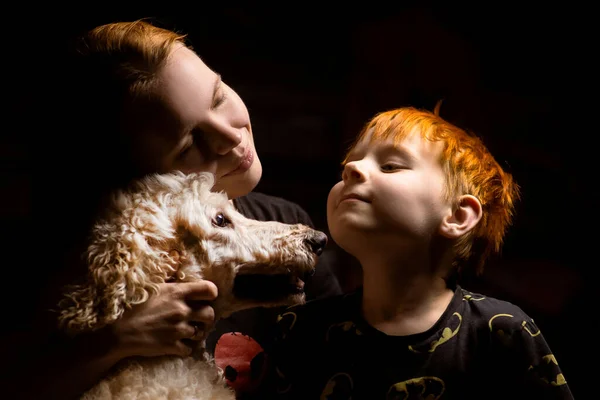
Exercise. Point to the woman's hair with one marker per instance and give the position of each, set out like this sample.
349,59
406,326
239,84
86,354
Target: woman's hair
469,168
112,65
86,150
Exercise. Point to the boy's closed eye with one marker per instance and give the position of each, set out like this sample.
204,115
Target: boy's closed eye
392,167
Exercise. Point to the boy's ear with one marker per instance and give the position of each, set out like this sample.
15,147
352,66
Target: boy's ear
464,218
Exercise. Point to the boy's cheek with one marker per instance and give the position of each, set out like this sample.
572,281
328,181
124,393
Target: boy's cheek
334,195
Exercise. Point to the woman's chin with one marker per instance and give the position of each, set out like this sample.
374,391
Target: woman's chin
241,184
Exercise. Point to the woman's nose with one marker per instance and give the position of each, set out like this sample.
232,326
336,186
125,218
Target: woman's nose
353,171
222,140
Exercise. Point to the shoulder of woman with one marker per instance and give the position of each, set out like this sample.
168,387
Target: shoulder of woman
266,207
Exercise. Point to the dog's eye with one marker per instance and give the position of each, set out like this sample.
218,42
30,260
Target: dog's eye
220,220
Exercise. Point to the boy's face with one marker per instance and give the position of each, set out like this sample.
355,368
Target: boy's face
388,192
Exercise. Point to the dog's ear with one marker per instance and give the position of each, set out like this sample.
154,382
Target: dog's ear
127,258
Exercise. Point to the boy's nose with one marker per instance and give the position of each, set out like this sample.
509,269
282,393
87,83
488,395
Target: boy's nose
353,171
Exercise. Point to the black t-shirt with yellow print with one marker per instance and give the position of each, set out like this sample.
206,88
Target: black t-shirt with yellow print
481,348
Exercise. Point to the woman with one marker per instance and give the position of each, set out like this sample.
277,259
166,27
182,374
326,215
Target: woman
139,101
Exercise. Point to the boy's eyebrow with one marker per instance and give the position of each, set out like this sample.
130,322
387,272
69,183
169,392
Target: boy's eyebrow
384,148
398,148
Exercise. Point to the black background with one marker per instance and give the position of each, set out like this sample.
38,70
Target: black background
523,78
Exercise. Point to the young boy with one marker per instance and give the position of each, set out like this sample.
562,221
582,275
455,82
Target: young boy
420,201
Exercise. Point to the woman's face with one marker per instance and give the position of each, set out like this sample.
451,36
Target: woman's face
192,122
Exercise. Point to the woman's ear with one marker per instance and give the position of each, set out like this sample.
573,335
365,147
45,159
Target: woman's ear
464,218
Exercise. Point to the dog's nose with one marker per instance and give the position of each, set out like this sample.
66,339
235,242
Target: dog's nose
317,242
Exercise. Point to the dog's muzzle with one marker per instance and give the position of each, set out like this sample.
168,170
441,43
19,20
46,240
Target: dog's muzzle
316,242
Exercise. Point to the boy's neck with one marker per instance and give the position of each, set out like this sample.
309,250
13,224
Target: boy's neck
403,303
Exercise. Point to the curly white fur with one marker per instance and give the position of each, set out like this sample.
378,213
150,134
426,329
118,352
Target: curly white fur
130,253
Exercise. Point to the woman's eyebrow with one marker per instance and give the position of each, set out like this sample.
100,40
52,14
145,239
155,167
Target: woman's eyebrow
216,86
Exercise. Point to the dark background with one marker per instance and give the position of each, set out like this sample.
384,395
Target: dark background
520,77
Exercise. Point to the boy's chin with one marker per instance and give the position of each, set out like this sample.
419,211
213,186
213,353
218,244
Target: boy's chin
345,240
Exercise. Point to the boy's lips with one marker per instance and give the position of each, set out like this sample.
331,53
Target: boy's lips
245,162
354,197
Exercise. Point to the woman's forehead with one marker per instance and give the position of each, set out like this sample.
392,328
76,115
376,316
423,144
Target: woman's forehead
186,82
182,96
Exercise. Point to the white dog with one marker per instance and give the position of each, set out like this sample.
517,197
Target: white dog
172,227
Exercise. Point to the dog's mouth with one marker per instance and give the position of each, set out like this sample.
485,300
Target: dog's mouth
269,287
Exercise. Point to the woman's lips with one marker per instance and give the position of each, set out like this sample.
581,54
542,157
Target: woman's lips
245,163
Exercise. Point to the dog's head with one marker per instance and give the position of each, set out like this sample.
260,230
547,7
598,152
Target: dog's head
172,227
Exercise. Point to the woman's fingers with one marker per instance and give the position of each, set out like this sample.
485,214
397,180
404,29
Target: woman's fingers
169,323
197,296
196,326
201,319
202,313
200,332
200,290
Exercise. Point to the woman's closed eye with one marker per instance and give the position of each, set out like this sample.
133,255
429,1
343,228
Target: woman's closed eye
187,146
219,98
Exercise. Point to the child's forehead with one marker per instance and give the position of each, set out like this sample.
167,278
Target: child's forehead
412,144
372,139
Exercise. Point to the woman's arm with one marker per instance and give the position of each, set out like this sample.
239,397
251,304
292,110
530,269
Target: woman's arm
59,367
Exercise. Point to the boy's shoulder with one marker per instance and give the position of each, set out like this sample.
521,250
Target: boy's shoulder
494,312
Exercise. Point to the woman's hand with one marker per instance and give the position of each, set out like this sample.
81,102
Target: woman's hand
163,324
